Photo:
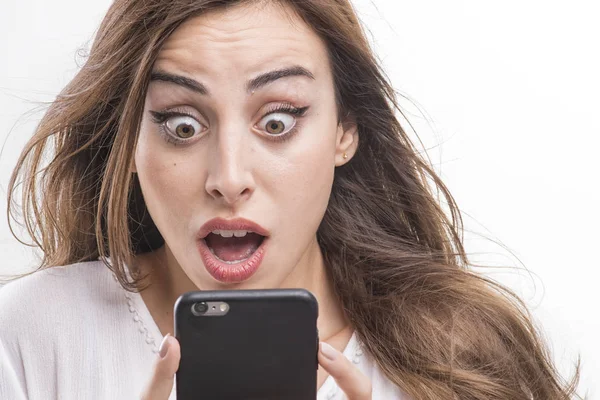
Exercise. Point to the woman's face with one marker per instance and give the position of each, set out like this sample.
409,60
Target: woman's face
240,123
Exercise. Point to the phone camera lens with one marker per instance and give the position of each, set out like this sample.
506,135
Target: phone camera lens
199,308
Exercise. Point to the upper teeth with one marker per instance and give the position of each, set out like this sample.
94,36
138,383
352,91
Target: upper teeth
228,234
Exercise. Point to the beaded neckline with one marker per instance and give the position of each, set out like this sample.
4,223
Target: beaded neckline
354,353
138,320
353,350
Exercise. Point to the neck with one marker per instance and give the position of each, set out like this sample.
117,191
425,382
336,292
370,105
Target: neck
167,281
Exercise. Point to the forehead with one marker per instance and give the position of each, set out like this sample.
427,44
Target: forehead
243,40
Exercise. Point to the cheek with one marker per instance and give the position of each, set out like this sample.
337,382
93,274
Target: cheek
306,182
313,177
163,178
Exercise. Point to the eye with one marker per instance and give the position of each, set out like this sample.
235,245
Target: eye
183,127
277,124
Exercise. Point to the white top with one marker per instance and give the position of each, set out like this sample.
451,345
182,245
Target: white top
74,333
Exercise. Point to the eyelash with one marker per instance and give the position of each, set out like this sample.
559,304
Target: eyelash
160,117
290,109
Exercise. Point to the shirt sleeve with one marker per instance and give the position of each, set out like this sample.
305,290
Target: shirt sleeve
12,371
12,379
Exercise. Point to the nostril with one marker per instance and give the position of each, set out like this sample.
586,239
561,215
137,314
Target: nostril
216,193
230,196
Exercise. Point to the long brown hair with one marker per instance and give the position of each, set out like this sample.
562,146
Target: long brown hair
394,255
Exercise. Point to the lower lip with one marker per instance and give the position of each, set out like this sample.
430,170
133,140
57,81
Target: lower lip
231,273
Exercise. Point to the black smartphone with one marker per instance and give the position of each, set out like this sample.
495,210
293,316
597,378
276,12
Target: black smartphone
247,344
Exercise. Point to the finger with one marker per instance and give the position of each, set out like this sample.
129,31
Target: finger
349,378
161,382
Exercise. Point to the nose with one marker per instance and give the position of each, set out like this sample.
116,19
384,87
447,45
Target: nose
229,175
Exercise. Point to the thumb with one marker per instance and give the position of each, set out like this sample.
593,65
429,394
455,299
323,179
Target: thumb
161,382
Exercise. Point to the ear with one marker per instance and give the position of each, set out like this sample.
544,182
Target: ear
346,141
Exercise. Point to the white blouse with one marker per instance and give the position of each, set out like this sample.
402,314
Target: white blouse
74,333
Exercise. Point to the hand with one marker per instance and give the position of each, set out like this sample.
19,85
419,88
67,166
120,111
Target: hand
161,382
353,383
349,378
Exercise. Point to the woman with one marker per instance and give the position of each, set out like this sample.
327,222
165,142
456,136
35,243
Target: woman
248,144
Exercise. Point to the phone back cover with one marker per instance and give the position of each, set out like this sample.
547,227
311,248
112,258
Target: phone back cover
264,348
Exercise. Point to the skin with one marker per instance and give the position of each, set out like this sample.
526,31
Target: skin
231,167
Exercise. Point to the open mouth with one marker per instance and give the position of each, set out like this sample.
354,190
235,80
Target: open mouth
232,250
232,247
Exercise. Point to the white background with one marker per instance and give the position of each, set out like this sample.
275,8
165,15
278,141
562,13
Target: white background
511,94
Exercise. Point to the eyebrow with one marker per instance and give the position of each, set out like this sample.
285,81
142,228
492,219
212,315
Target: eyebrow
252,85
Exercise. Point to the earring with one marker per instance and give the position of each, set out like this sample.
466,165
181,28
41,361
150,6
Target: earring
345,156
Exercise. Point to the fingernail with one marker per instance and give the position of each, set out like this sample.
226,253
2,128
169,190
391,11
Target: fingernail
329,352
164,346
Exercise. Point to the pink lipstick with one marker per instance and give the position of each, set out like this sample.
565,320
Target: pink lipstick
232,250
